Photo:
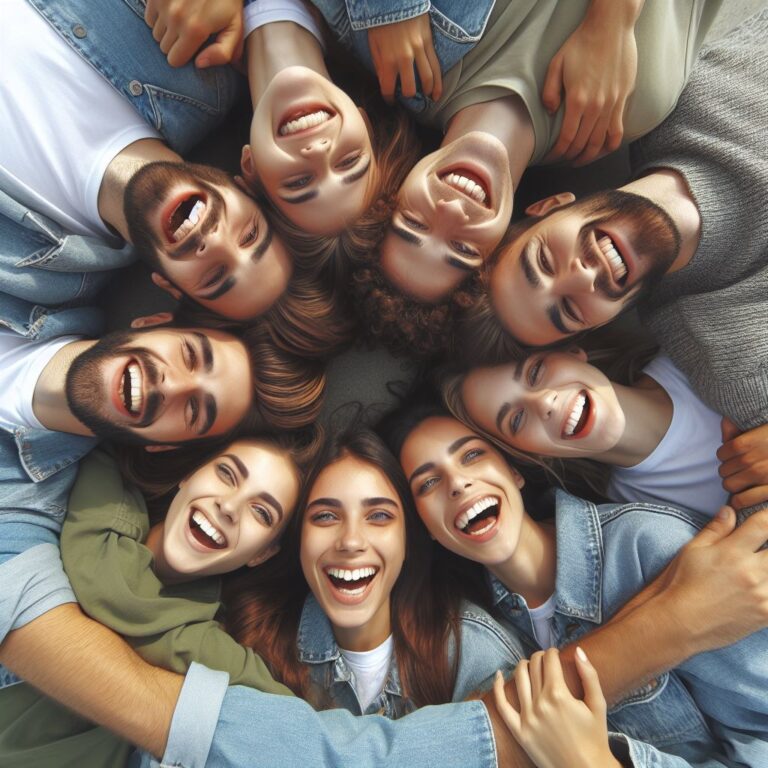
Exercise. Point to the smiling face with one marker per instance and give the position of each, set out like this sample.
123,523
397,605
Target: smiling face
352,549
231,511
552,404
579,266
161,385
209,239
312,152
466,494
453,209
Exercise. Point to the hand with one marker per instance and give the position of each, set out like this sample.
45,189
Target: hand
597,69
744,468
182,26
395,48
718,583
556,729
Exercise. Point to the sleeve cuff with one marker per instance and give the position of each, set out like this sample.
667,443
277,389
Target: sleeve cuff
257,13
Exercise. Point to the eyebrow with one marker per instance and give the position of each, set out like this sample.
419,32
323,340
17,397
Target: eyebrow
358,174
205,344
211,410
528,270
325,502
406,235
241,468
452,448
272,501
377,501
301,198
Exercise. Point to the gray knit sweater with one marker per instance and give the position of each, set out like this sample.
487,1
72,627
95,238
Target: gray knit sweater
711,317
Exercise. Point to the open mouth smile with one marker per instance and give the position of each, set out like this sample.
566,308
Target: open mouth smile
479,518
303,120
204,532
129,390
183,217
580,418
613,256
351,585
469,184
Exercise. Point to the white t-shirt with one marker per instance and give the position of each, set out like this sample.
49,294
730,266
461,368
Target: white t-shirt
542,623
369,670
21,363
257,13
683,468
62,122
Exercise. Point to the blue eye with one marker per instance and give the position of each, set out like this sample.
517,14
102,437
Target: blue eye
263,513
325,516
380,516
426,485
534,372
471,455
298,183
225,473
516,421
414,223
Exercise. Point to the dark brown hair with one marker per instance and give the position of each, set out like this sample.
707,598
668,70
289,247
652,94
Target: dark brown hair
265,606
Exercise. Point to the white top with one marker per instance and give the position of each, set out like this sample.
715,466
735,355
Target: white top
260,12
683,468
542,623
369,670
21,363
62,122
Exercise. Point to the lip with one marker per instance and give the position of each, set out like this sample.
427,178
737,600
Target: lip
491,532
170,208
294,112
591,416
351,600
117,394
475,173
192,540
626,254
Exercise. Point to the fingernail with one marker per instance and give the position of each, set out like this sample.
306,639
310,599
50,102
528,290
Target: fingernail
580,654
498,674
722,513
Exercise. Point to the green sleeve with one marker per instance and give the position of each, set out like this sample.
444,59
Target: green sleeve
111,573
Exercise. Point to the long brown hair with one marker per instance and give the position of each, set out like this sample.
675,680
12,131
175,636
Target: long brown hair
264,607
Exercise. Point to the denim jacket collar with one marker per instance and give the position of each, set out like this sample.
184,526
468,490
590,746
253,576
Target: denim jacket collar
43,452
317,645
578,586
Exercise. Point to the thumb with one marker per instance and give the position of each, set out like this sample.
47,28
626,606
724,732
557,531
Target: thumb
716,529
222,51
728,429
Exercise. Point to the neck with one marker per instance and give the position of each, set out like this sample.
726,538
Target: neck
274,47
371,635
668,190
49,400
508,120
532,568
648,412
120,171
154,544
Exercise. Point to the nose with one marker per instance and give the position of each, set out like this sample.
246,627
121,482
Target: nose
579,278
319,146
228,508
545,400
459,484
351,538
178,382
452,210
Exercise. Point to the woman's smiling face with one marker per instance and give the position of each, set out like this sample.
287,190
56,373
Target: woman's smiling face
466,494
353,548
552,404
231,511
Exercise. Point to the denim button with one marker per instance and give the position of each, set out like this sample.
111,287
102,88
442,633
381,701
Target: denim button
79,31
135,87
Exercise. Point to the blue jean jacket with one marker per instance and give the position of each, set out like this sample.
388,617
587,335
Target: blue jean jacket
485,647
712,709
456,28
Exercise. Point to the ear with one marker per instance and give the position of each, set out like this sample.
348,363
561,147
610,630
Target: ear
518,478
263,556
577,352
166,285
367,121
159,448
543,207
247,167
150,321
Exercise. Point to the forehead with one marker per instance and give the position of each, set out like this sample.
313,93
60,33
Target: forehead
350,480
432,441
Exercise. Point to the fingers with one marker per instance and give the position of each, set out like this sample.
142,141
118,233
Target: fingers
150,13
742,473
228,47
595,146
523,685
437,75
752,439
553,85
408,77
536,672
508,713
720,526
750,498
728,429
752,533
593,693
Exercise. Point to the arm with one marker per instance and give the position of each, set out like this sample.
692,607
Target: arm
713,593
182,26
596,68
64,653
744,467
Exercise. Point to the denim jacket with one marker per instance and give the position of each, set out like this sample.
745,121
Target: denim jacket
485,647
456,28
712,705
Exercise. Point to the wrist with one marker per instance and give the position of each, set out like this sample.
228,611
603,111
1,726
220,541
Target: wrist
615,13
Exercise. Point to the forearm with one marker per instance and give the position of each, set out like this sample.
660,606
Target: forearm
90,669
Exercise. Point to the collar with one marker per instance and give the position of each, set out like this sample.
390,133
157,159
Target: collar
44,452
579,578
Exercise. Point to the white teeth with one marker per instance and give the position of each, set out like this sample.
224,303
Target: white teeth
466,517
618,267
346,574
188,224
304,122
208,528
134,381
469,187
575,415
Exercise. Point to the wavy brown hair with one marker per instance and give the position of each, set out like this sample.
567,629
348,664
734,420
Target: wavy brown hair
265,606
